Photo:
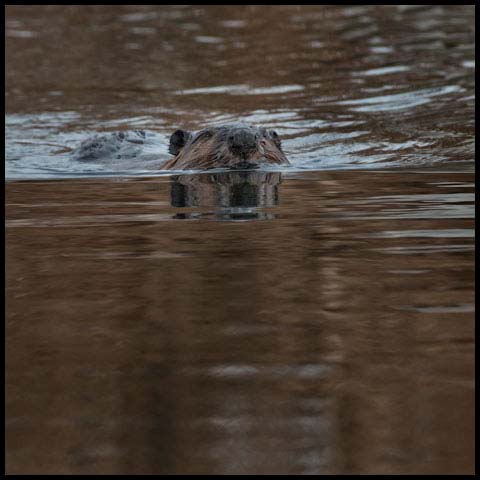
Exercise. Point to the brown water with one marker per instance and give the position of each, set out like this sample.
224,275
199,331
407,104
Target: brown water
314,319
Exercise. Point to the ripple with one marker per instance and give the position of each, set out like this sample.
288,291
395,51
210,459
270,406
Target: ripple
207,39
143,30
87,220
437,233
241,90
234,23
400,101
21,33
383,71
461,308
237,371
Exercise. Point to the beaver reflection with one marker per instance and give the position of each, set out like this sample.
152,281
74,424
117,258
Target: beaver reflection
235,195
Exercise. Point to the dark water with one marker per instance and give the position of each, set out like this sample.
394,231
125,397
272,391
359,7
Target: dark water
311,319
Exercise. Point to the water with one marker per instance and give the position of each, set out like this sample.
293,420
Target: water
317,318
356,87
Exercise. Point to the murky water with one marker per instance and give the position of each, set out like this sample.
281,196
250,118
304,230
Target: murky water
317,318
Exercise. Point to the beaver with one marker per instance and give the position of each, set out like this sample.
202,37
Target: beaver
111,145
235,146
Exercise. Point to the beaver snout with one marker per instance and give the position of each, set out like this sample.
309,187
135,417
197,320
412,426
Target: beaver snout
243,143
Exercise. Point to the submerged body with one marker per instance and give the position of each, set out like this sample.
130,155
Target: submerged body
115,145
234,146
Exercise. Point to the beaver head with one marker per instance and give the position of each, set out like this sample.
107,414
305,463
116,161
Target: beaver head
237,146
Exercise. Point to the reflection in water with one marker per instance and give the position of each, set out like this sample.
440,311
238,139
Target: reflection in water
317,342
235,195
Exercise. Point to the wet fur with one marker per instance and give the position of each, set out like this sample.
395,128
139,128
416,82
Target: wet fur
209,149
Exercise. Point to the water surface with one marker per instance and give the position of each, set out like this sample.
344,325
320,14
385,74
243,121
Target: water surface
359,86
312,319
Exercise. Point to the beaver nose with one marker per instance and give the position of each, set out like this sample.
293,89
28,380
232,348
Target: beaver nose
243,143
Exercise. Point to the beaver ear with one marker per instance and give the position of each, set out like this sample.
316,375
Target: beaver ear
275,138
178,140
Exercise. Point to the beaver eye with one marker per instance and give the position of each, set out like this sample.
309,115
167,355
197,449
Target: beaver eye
205,134
202,135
